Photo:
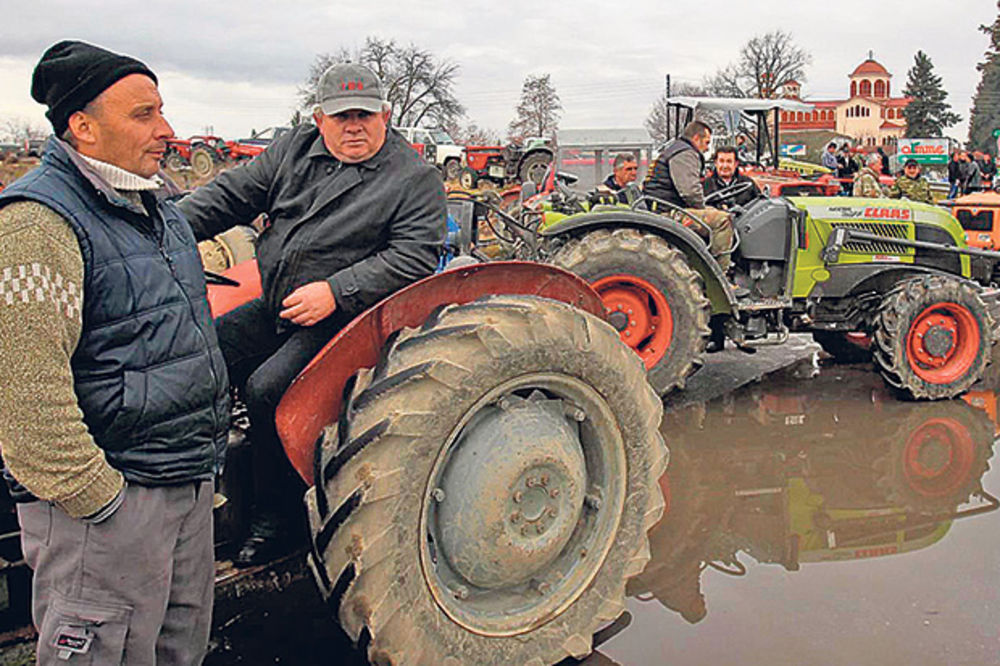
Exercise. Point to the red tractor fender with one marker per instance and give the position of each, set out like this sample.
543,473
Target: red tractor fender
314,399
223,298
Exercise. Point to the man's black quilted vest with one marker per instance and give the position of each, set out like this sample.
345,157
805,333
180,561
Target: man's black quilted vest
148,372
659,183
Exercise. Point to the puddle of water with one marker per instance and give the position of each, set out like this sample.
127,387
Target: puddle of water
822,520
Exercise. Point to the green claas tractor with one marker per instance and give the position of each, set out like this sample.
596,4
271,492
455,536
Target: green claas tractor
870,278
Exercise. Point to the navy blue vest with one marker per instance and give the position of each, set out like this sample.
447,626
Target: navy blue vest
659,182
148,372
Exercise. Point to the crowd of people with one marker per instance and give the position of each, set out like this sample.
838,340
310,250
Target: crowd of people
970,171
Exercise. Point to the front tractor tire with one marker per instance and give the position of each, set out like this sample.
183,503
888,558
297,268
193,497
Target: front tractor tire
933,337
489,489
653,298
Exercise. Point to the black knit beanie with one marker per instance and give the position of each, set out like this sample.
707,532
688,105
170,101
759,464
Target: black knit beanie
71,74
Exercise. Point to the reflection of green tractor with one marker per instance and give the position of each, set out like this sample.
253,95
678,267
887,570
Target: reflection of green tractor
791,477
896,271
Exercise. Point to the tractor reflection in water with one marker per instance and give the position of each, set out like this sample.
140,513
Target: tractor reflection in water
808,473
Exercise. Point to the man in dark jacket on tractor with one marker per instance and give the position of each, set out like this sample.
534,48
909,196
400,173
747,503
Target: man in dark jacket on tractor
353,214
676,179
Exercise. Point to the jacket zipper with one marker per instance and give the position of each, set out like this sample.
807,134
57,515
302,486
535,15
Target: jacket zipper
194,318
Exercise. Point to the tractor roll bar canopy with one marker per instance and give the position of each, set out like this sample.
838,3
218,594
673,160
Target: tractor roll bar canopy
754,109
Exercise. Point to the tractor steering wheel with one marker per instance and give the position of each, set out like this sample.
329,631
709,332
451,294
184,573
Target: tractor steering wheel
729,192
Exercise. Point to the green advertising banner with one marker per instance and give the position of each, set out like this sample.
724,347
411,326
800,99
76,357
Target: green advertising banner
924,151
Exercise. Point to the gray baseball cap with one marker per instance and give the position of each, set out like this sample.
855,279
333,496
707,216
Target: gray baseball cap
349,86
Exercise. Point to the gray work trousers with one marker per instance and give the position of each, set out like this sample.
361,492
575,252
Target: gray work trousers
134,589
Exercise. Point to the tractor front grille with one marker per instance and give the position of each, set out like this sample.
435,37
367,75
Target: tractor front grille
887,229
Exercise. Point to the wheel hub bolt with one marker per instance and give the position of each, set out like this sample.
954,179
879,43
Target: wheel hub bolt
438,495
518,496
578,414
461,592
515,517
530,482
544,480
540,586
592,501
503,403
554,492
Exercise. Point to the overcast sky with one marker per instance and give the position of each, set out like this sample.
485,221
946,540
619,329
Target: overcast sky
236,65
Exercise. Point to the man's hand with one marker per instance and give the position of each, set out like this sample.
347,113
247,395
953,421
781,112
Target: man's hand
309,304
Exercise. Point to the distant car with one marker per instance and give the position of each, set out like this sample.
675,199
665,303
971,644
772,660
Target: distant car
437,147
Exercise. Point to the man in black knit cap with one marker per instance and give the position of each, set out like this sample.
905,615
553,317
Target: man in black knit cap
113,390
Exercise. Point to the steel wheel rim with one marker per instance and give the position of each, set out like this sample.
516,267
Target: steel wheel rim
947,360
648,320
938,457
522,608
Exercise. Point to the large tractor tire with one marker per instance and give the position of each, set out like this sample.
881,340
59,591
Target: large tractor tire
451,169
468,178
203,161
933,337
845,347
533,167
488,490
654,299
173,160
231,247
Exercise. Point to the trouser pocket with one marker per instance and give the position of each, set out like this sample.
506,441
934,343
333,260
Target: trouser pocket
79,631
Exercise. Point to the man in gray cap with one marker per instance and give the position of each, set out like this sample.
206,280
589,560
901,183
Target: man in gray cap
354,214
113,389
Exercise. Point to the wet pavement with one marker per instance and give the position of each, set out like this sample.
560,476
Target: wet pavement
812,517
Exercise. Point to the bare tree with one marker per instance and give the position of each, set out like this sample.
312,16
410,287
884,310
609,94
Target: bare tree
661,119
16,129
538,110
765,63
418,85
471,134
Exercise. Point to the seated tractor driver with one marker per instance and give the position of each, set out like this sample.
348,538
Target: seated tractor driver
727,177
354,215
675,178
616,187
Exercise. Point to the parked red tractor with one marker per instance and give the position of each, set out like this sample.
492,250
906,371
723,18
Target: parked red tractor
503,165
482,453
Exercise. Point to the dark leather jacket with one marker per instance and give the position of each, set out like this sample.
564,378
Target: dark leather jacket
368,229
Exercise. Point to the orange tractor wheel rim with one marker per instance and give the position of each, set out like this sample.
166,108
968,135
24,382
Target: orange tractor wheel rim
641,314
938,457
943,343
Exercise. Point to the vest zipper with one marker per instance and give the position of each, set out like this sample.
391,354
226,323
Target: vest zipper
216,468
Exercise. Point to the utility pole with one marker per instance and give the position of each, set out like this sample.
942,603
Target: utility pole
666,114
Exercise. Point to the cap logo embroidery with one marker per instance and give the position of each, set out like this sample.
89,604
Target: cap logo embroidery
357,84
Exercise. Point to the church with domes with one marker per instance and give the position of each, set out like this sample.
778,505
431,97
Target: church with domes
870,115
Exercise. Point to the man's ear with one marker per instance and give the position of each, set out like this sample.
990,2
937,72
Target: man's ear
317,117
83,128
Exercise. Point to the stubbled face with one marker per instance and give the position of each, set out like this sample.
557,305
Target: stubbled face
626,173
702,141
124,126
353,136
725,165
